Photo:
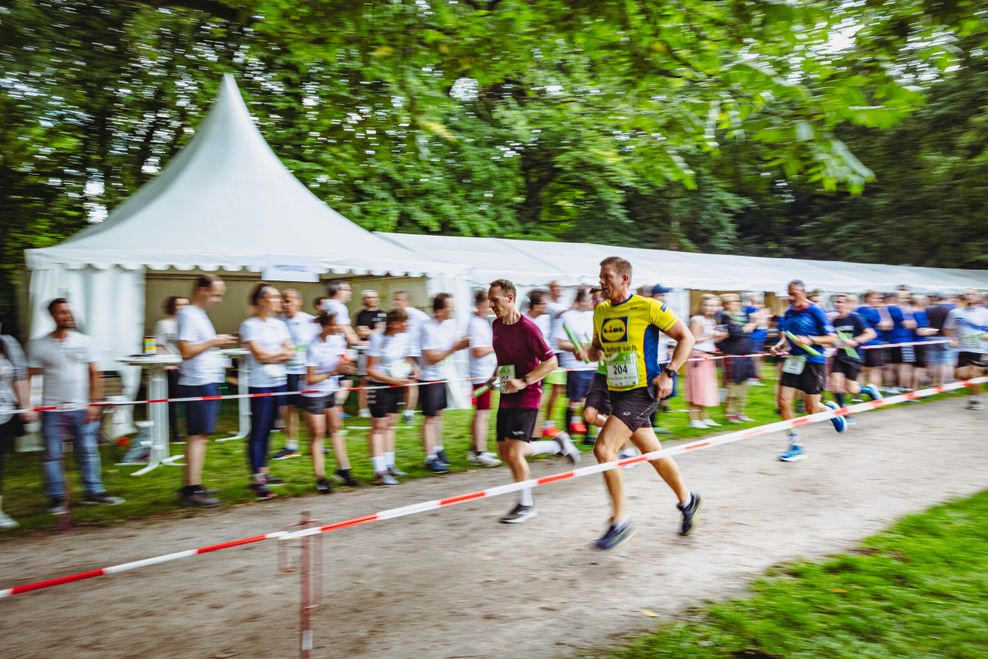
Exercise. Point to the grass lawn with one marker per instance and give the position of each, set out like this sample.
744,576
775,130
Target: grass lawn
919,589
226,470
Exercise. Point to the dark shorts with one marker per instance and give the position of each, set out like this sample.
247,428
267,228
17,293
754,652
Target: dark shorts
902,355
874,357
200,415
318,404
598,397
383,402
967,358
483,401
850,368
578,384
433,398
634,407
296,382
516,424
810,381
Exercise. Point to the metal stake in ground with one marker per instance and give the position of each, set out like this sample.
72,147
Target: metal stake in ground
309,566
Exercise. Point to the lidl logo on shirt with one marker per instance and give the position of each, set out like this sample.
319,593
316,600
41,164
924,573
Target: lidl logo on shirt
614,330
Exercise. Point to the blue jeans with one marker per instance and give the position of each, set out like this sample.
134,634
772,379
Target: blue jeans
55,428
263,414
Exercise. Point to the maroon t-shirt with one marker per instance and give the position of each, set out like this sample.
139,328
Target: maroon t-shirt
522,345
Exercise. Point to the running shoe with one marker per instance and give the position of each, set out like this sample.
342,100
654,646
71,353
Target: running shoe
519,514
197,499
710,423
568,448
365,414
699,425
395,471
286,453
577,428
615,536
794,453
484,459
690,511
840,423
273,481
57,506
745,418
101,499
659,430
549,432
384,478
437,466
344,416
975,405
323,486
872,392
7,522
441,456
734,418
345,477
261,492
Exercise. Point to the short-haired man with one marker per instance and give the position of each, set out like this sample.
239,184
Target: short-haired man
876,315
626,329
806,330
302,328
967,327
437,341
852,333
940,357
524,358
576,323
200,373
370,319
403,301
483,363
65,359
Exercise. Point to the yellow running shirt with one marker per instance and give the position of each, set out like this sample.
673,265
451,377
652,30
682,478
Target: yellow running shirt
629,334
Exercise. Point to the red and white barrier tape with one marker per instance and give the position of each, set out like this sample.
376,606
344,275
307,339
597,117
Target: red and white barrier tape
426,506
269,394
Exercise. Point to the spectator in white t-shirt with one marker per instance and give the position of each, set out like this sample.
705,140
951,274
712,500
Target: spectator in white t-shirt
166,343
14,394
338,296
267,338
200,374
303,329
438,339
579,373
416,317
557,379
72,382
325,361
483,363
967,328
538,312
391,365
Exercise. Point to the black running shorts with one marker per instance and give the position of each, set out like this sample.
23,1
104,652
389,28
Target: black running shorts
597,396
383,402
810,381
965,359
874,357
850,368
516,424
318,404
433,397
634,407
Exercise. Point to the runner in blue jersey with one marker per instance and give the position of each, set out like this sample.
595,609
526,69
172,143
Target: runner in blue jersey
807,330
874,354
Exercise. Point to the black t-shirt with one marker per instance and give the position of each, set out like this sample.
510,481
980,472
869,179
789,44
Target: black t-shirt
852,325
937,315
370,318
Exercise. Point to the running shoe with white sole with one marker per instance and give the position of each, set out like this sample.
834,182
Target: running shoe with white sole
441,456
384,478
519,514
345,477
840,423
872,392
793,453
484,459
323,486
7,522
567,447
615,536
437,466
395,471
285,454
690,511
101,498
710,423
975,405
699,425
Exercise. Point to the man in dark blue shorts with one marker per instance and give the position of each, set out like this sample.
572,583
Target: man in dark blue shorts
852,333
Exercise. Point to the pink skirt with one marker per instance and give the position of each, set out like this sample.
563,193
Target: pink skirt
701,382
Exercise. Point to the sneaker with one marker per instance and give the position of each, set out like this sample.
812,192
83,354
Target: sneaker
690,511
710,423
58,506
407,417
568,448
344,476
484,459
614,537
743,418
395,471
734,418
7,522
286,453
101,498
550,432
261,492
437,466
519,514
273,481
384,478
441,455
755,382
975,405
794,453
872,392
344,416
577,428
197,499
323,486
840,423
659,430
699,425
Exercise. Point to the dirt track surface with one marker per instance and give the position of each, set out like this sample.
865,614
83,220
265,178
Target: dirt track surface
456,583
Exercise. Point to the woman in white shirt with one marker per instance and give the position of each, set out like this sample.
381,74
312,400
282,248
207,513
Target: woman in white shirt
166,343
326,359
390,361
701,372
270,344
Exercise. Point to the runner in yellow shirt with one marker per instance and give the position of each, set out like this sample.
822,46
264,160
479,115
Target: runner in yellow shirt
626,335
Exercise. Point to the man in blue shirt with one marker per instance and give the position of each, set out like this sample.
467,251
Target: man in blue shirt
873,312
852,333
807,330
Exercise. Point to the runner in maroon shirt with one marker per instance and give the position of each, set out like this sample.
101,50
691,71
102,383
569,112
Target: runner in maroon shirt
523,360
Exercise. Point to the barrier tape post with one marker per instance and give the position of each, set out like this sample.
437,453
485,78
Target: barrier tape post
426,506
309,566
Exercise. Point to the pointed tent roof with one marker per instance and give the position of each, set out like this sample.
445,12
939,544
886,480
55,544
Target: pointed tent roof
226,201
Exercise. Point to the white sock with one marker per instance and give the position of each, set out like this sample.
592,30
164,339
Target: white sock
544,447
389,458
689,500
291,444
525,497
379,464
439,447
